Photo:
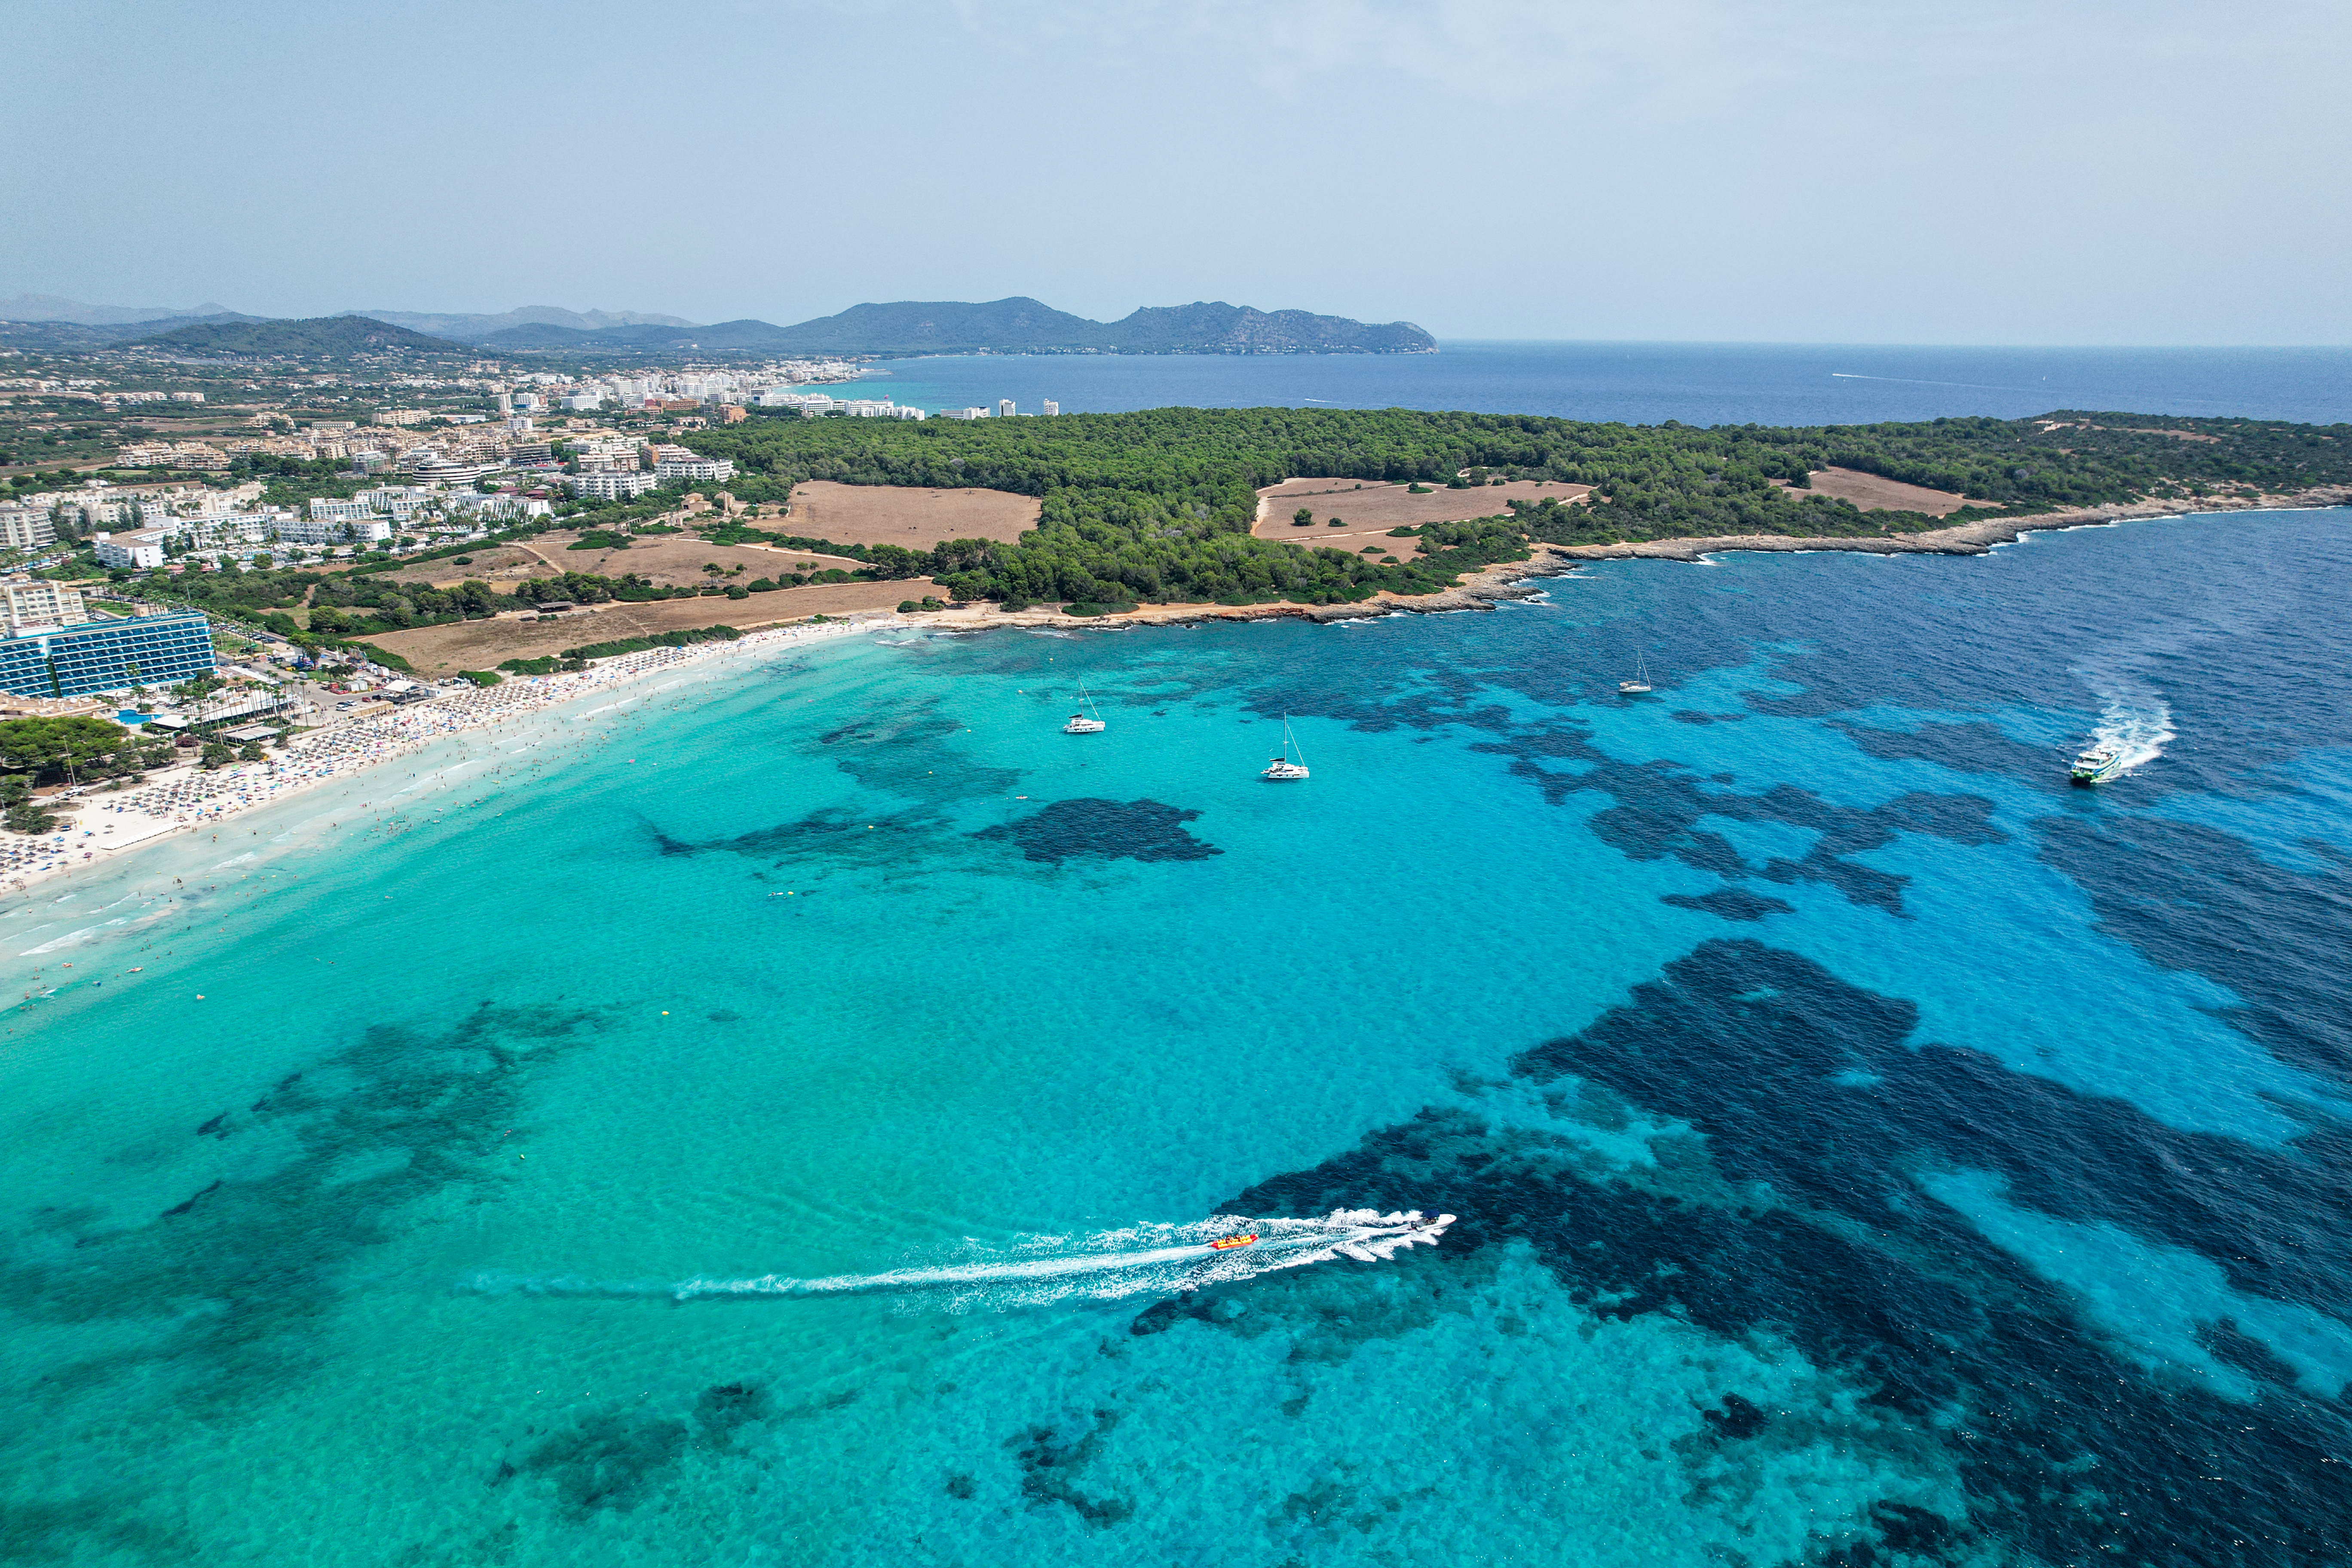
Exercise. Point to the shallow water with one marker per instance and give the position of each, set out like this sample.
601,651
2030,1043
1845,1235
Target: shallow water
759,1120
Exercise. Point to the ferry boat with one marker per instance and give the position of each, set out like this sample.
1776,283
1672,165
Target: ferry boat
2097,766
1282,767
1079,723
1227,1243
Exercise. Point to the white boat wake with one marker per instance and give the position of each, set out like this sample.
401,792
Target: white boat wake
2134,729
1102,1266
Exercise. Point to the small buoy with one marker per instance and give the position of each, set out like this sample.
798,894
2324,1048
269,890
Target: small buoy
200,995
665,1012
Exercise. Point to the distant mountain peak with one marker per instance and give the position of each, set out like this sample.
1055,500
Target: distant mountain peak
1018,324
474,328
317,337
55,307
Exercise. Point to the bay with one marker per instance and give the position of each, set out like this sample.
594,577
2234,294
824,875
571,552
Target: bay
776,1114
1649,384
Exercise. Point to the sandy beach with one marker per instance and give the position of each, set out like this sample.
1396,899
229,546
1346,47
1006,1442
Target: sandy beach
188,800
185,800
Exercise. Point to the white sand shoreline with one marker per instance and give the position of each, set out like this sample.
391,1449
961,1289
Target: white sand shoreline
111,826
186,802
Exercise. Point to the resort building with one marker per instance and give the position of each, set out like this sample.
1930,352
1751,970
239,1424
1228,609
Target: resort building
39,603
363,528
106,655
24,527
612,484
140,551
1050,407
694,468
1004,408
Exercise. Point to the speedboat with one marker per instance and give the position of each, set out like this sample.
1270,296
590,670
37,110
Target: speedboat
1227,1243
2095,766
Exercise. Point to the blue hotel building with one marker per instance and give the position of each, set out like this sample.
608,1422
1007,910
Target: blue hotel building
106,655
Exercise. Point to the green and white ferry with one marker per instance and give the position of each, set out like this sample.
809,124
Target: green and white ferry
2097,766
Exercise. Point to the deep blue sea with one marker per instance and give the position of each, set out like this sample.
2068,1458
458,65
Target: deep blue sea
1648,383
776,1115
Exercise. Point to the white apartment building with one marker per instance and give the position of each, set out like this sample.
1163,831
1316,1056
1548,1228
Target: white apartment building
694,468
24,527
963,413
38,604
1004,408
874,408
328,508
291,530
142,551
1050,407
229,528
611,484
397,500
427,468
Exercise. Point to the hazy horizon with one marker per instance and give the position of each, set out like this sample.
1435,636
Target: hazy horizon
1998,175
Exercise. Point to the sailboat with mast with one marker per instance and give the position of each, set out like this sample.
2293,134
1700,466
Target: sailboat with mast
1640,685
1079,723
1282,767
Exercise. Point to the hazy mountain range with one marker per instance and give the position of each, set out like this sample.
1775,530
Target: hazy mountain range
1018,326
50,307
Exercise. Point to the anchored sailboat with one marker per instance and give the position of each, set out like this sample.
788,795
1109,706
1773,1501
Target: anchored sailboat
1079,723
1282,767
1640,685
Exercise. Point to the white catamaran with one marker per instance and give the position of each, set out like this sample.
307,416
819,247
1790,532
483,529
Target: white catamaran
1282,767
1079,723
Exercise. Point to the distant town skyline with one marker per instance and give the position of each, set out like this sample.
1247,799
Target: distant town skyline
1998,173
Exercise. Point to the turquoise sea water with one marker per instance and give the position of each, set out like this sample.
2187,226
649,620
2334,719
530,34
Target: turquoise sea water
1867,1150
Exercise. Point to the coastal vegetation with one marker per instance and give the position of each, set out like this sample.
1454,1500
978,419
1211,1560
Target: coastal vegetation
686,638
73,749
1158,505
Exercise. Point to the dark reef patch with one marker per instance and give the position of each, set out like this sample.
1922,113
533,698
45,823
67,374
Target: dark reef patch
1049,1460
609,1459
1803,1218
1105,829
1731,903
1977,747
184,1204
2189,897
724,1409
233,1282
1660,804
227,1289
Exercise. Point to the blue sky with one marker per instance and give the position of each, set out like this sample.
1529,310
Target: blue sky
2097,172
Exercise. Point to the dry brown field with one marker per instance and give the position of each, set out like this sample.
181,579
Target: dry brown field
1871,493
673,560
896,514
1369,506
480,645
